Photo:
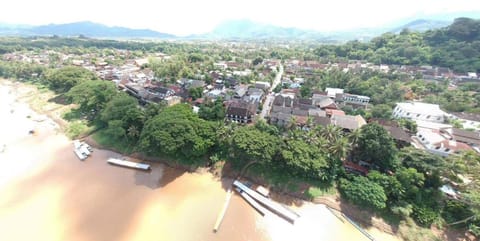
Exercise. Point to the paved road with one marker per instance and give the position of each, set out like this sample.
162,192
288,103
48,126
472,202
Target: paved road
267,105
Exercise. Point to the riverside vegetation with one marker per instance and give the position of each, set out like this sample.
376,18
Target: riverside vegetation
404,183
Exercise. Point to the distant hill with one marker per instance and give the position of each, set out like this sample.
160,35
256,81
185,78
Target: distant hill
422,25
88,29
247,29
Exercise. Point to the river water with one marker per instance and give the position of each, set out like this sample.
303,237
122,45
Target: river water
46,193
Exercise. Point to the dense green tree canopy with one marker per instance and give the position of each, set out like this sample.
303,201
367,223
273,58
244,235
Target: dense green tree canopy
249,144
303,158
376,145
212,110
177,132
118,107
63,79
382,111
361,191
92,95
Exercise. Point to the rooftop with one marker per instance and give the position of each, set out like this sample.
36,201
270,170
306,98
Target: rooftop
422,108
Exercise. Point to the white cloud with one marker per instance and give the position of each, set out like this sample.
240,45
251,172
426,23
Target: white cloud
193,16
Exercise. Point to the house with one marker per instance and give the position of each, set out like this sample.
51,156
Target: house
419,111
280,118
332,112
292,93
215,93
321,120
240,91
348,122
468,137
191,83
332,92
401,137
230,81
468,120
317,112
173,100
324,103
439,143
262,85
255,95
355,168
219,86
159,92
241,111
352,100
303,104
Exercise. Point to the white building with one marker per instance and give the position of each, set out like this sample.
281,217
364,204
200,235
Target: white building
262,85
419,112
468,120
440,143
332,92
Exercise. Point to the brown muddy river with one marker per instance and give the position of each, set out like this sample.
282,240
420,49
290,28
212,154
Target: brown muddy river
58,197
46,193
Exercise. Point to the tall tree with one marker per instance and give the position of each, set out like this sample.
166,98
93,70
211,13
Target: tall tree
377,146
63,79
177,132
92,95
249,144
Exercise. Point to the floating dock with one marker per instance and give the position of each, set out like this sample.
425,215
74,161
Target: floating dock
269,204
222,212
260,209
130,164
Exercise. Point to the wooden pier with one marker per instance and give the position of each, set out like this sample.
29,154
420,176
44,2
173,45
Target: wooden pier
130,164
268,203
223,211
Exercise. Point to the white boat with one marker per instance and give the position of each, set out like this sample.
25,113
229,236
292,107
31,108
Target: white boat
84,150
82,147
130,164
76,144
79,154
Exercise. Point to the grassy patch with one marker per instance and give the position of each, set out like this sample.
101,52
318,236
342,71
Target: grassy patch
409,231
319,190
282,180
73,114
106,141
77,128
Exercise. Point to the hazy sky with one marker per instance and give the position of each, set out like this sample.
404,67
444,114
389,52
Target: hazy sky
198,16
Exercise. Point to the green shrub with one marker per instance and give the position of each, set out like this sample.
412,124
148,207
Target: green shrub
424,216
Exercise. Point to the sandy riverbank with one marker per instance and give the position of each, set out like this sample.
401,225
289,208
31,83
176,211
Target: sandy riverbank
46,193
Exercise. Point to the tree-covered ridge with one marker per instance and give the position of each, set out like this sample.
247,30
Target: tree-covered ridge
456,46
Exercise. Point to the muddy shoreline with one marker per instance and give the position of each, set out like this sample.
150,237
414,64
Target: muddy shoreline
224,179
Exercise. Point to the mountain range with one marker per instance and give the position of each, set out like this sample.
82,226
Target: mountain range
86,28
232,29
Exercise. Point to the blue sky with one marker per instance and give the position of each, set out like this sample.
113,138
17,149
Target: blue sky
184,17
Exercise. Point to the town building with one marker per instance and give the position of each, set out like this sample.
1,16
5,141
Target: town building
419,111
241,111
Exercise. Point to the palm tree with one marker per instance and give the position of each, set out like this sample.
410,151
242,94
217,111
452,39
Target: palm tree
309,122
330,132
353,137
292,123
311,137
339,148
133,132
